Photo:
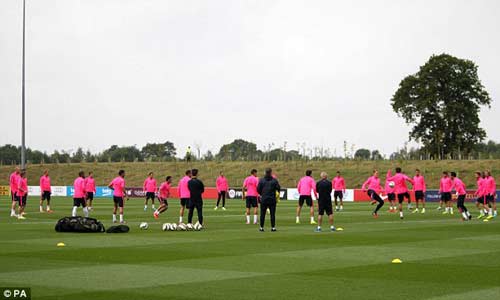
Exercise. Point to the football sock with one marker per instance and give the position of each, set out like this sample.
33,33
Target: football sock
41,208
48,207
401,214
248,219
121,217
180,219
85,212
73,213
114,217
255,218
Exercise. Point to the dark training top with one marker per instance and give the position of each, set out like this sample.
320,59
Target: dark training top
324,189
196,188
267,188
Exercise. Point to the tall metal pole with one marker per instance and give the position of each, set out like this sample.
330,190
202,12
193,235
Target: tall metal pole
23,144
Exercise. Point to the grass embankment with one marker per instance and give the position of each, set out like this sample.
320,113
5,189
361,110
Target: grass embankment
355,172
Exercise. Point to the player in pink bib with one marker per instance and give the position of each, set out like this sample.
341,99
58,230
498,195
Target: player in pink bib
45,190
400,188
222,188
490,187
90,190
79,195
305,187
150,188
459,187
372,187
163,194
184,193
480,194
338,184
445,186
22,193
13,181
250,195
118,187
420,188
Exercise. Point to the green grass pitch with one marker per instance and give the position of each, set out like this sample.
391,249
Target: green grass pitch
443,258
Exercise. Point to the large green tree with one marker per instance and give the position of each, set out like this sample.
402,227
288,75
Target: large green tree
238,150
156,152
442,102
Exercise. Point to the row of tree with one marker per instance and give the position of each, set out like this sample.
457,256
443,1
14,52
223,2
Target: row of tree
238,150
10,154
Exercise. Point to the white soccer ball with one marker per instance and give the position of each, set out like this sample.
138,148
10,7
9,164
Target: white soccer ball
197,226
174,226
164,227
391,184
189,226
144,226
182,226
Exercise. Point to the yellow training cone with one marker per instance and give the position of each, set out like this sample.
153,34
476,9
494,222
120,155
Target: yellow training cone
396,261
61,244
340,229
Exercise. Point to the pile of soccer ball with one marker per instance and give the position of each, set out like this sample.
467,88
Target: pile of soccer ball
182,227
175,227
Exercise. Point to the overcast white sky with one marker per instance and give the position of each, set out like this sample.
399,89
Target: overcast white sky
103,72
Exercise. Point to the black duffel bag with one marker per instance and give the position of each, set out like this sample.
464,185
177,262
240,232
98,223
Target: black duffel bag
79,224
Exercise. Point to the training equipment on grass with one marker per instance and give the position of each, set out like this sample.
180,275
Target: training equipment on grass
182,226
174,226
189,226
79,224
61,244
397,261
164,227
340,229
197,226
144,226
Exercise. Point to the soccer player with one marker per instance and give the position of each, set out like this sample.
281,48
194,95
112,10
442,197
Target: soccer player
391,196
184,194
372,187
22,193
222,188
420,189
324,194
13,182
79,195
196,189
150,188
445,185
339,190
45,190
491,192
90,190
267,188
400,187
481,202
305,186
118,187
250,191
164,193
459,187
